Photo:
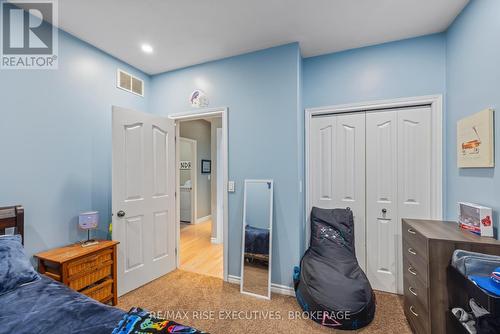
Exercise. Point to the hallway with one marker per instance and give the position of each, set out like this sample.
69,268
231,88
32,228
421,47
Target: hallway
197,253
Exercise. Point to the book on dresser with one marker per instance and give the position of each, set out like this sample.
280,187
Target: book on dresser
428,247
89,270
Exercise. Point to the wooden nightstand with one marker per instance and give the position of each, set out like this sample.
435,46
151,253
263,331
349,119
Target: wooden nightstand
89,270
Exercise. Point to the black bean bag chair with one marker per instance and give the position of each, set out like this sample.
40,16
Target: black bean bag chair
330,286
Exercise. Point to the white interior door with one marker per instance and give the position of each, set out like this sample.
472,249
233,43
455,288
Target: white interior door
143,200
338,162
398,178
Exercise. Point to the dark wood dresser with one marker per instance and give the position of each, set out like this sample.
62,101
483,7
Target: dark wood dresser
428,246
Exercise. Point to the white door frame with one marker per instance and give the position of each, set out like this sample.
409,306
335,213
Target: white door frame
436,104
193,115
194,177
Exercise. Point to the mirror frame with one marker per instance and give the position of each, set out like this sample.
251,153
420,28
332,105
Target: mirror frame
247,181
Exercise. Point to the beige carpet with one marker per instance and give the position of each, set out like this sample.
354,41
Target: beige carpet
185,296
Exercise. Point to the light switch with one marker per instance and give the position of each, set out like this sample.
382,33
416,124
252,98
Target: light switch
230,186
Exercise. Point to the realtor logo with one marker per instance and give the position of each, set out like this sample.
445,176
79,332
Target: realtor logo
29,37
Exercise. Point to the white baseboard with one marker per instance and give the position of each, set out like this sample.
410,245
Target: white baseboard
276,288
203,219
215,241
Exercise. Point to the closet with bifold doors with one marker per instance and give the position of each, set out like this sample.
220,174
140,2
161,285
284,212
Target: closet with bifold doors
378,163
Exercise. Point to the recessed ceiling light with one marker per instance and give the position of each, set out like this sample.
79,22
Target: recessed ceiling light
147,48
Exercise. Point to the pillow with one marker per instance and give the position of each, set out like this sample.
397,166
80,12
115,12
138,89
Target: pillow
15,268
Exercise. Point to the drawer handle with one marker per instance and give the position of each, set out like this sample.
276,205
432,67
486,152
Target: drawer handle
412,251
412,290
412,271
412,310
411,231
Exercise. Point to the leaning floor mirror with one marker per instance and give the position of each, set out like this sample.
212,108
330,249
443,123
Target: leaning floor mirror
257,238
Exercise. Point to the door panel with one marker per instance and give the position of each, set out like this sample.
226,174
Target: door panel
338,165
322,148
349,174
381,199
143,189
414,151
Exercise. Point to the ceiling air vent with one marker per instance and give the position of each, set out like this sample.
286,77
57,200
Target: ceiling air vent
130,83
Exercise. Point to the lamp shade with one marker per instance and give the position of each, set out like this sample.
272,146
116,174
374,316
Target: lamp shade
88,220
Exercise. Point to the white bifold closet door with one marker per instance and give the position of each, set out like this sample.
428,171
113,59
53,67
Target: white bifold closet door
398,159
337,158
378,164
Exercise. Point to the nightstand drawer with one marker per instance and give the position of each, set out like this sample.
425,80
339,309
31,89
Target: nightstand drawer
101,292
79,282
89,263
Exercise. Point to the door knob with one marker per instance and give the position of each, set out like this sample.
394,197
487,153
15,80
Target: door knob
384,211
120,214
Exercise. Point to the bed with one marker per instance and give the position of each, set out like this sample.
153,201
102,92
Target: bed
46,306
256,243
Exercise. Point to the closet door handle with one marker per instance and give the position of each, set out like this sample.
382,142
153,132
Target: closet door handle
412,290
412,310
411,231
412,271
411,251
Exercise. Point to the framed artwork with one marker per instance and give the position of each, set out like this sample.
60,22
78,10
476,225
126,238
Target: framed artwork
206,166
475,140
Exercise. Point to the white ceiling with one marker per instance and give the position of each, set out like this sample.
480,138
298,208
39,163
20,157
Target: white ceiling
188,32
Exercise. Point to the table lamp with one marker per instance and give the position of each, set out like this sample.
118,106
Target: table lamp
88,221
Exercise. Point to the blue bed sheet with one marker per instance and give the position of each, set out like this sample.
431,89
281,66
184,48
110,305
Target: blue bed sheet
46,306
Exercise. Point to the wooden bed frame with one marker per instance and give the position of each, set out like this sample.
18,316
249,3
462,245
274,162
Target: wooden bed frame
12,216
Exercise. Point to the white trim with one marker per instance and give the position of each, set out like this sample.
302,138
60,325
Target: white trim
270,237
194,176
275,288
436,104
204,113
203,219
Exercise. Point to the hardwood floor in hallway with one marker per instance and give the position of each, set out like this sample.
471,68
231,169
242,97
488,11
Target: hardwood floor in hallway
197,253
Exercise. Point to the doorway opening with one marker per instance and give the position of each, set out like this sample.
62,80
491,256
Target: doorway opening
201,154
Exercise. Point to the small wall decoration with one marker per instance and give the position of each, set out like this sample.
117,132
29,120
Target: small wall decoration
206,166
185,165
475,140
198,99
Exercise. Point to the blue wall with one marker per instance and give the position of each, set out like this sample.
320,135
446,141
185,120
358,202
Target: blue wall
473,83
405,68
55,140
260,89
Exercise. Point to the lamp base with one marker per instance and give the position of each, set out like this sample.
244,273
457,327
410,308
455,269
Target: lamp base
87,243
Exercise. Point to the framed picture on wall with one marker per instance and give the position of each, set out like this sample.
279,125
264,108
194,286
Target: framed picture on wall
475,140
206,166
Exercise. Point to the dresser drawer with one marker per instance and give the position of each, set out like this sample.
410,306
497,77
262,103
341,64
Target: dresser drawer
417,268
417,241
417,315
89,263
78,282
101,292
414,288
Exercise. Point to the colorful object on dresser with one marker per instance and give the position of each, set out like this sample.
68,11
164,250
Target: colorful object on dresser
139,321
476,219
